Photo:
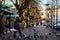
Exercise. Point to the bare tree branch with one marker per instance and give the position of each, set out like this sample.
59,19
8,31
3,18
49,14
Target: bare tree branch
13,2
23,6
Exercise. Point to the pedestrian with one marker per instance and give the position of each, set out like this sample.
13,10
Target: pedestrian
27,37
36,36
16,26
49,33
12,23
41,36
45,35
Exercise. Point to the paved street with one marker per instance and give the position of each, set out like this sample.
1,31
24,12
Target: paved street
40,30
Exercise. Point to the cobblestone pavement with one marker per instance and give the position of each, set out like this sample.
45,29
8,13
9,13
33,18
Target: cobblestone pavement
40,31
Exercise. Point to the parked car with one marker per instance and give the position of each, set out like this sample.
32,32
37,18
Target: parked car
56,28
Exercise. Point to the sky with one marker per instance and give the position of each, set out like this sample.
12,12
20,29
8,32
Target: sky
42,3
8,2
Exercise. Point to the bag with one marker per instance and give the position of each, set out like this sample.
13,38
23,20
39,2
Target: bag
21,25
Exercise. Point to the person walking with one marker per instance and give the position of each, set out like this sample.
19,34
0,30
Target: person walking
41,36
16,25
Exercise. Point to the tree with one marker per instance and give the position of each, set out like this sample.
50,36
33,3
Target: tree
27,5
21,7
